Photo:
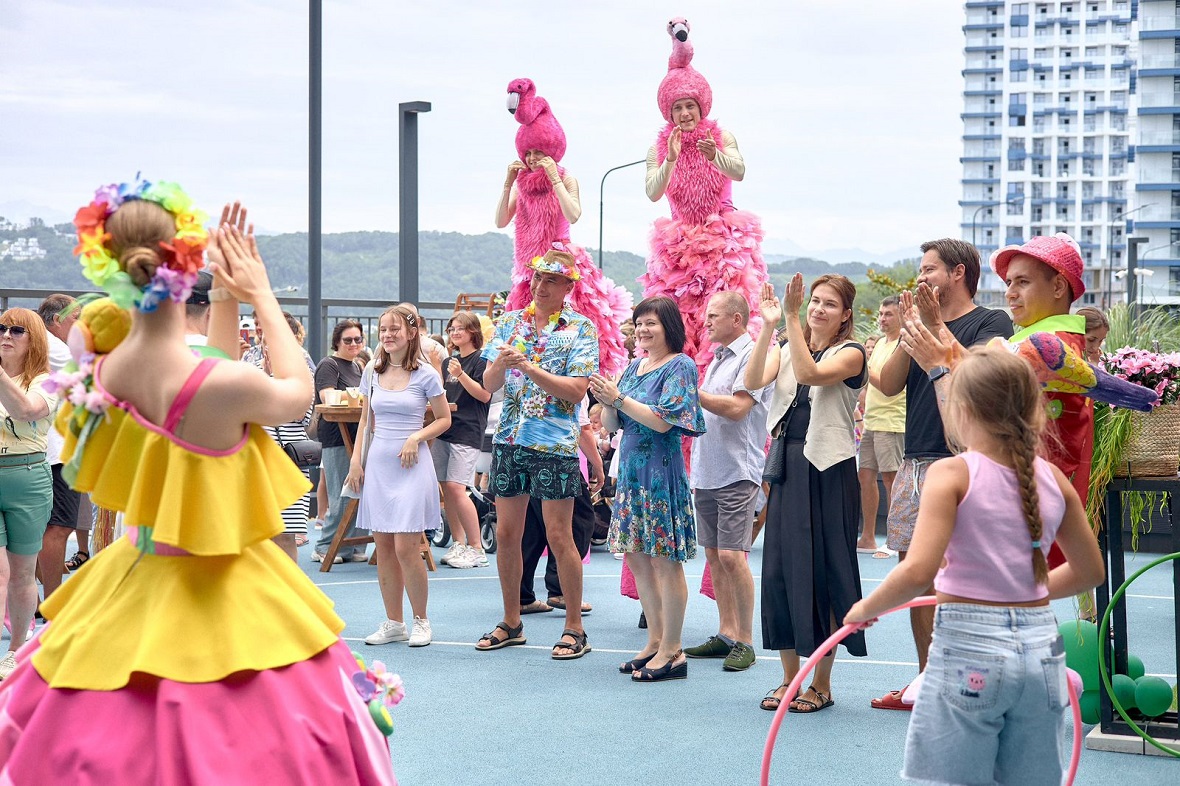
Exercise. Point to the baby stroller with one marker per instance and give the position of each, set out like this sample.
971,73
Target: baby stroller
485,510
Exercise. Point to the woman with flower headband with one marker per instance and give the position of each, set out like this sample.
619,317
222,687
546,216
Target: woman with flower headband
26,485
180,453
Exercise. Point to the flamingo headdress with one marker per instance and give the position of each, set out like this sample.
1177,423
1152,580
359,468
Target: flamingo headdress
682,81
539,129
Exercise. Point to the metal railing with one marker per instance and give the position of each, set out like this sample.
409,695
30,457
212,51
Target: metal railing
434,314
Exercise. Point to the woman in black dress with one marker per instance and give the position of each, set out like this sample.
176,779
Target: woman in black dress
810,576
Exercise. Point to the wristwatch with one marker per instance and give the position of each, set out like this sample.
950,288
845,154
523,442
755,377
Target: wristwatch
937,373
618,402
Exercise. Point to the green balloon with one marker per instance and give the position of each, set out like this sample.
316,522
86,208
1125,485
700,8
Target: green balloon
1081,651
1088,702
1153,695
1124,691
1135,668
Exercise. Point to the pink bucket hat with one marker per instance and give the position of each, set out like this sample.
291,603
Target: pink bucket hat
539,129
1060,252
682,81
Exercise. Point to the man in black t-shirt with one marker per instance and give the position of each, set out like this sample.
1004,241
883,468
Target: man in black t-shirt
948,276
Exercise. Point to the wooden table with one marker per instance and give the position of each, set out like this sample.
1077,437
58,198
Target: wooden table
342,416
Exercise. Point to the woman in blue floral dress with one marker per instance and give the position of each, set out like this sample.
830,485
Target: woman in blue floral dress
656,403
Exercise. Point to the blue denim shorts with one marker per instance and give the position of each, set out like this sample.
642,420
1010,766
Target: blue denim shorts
991,708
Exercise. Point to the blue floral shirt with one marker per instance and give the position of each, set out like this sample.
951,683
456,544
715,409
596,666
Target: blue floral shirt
532,418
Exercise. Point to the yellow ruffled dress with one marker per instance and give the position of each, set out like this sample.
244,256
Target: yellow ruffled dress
192,650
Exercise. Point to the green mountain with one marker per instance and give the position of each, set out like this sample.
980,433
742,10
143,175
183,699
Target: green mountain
364,264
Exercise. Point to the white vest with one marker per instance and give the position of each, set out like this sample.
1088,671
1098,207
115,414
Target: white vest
831,434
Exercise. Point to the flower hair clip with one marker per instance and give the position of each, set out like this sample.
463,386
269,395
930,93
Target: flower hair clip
181,257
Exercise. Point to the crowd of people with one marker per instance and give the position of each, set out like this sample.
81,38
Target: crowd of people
714,426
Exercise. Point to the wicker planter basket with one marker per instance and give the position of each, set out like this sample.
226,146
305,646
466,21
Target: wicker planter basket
1154,448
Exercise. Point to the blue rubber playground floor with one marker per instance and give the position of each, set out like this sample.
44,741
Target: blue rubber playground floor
515,716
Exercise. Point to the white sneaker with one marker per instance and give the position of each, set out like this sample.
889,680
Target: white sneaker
420,636
481,558
390,631
359,556
455,550
318,556
468,558
8,662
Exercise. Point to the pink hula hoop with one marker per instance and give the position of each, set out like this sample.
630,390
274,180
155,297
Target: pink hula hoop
843,633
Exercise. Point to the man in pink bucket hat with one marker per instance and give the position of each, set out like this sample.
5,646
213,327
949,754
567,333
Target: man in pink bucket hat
1043,278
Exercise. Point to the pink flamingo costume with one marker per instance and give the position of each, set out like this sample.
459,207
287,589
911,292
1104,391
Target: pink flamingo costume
544,202
707,246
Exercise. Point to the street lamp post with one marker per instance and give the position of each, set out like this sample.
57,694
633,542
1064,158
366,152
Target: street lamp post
1106,301
407,241
315,320
601,184
1133,244
986,205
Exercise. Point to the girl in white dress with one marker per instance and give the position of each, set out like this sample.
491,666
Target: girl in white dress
399,499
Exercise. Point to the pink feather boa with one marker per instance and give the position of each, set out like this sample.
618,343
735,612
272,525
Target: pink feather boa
540,223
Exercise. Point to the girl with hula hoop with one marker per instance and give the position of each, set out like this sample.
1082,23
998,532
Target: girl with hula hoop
991,704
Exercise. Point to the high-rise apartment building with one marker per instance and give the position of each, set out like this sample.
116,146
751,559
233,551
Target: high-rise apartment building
1071,123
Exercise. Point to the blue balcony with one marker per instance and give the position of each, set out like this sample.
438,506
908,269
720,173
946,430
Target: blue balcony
985,159
1018,110
1040,201
984,48
997,24
992,114
982,70
980,137
1071,66
1040,156
1016,155
984,93
1018,20
1041,68
1068,155
985,4
981,181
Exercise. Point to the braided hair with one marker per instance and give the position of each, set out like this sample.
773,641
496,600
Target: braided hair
999,392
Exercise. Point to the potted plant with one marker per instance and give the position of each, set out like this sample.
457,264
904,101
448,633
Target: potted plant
1139,444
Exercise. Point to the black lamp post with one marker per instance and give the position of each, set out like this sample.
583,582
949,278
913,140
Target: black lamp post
407,144
601,184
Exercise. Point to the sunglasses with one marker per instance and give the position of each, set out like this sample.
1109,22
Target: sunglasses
357,340
16,330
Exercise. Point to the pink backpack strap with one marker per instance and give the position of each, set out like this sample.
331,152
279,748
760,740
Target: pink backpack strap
187,391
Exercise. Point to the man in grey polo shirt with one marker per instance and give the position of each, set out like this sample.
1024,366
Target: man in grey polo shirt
727,465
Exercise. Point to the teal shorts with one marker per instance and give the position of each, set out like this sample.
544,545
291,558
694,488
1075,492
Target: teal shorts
26,499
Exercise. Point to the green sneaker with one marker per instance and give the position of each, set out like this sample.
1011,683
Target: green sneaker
713,648
740,658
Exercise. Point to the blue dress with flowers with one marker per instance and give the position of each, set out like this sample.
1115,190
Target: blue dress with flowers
653,506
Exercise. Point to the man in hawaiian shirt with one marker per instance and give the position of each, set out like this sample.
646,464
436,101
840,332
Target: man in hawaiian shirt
543,355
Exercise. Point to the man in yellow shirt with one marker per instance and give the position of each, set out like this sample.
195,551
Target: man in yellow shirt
882,446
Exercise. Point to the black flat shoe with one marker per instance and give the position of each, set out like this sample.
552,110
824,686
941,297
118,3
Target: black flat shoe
642,621
665,672
634,664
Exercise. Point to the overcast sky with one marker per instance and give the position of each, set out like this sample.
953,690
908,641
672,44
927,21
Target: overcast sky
846,111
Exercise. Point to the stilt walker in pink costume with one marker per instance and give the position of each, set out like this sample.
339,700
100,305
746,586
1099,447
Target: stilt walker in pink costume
543,198
707,246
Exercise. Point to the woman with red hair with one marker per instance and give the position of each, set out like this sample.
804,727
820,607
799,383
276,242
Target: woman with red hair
26,484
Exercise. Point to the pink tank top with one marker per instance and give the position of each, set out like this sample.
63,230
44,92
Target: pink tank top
989,556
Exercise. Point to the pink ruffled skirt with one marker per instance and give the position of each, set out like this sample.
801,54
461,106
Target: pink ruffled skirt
300,724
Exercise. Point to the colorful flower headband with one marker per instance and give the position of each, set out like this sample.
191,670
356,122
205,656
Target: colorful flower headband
559,261
180,259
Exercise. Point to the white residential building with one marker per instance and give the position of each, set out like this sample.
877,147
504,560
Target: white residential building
1071,123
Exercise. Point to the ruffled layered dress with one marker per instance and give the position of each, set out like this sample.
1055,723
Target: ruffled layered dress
539,224
707,246
191,651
